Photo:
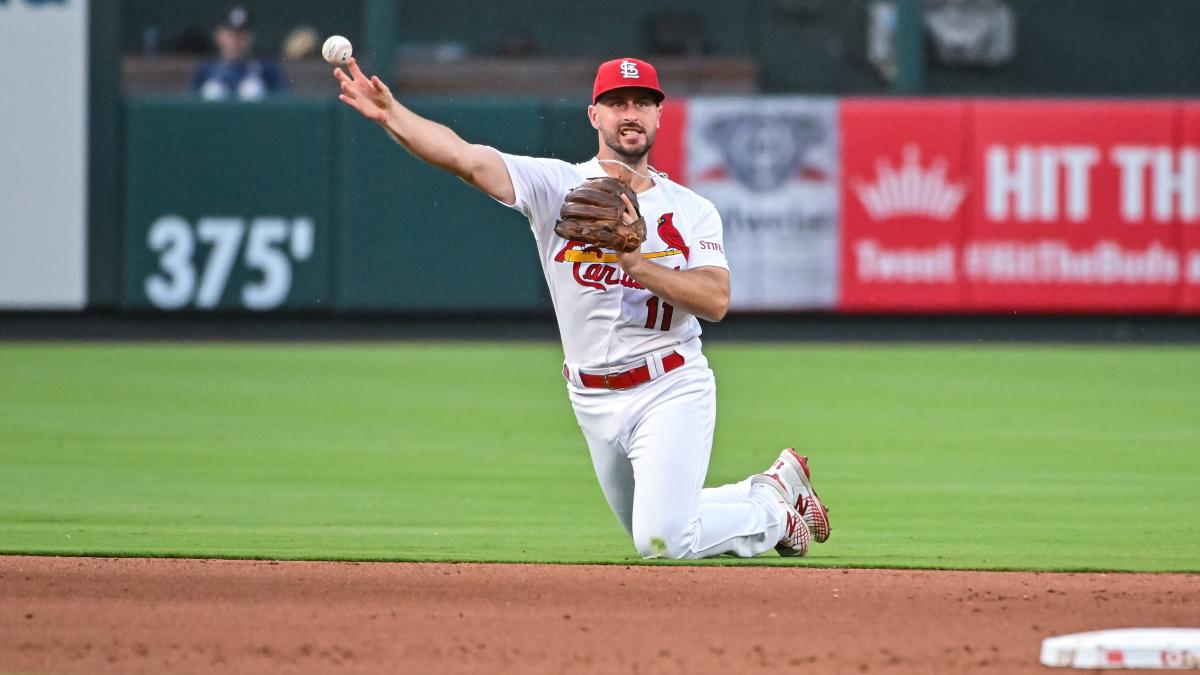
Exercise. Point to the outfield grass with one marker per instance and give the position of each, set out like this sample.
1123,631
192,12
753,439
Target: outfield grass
1055,458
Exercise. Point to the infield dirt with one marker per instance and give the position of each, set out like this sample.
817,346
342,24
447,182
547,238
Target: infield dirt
103,615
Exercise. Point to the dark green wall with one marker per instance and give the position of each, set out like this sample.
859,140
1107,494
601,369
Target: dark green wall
104,158
1120,47
266,167
559,28
412,237
388,232
1064,47
567,28
1071,47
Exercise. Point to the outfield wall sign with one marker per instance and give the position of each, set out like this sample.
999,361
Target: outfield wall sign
1181,173
770,166
1080,206
43,154
236,219
196,261
905,198
961,205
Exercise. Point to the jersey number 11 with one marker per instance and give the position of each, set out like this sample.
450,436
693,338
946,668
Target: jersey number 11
652,311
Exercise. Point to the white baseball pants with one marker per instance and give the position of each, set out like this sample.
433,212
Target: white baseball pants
650,446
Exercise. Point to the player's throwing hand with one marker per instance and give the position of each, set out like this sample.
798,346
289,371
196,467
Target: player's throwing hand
369,96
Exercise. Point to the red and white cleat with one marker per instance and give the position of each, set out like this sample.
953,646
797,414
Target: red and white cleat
792,469
796,537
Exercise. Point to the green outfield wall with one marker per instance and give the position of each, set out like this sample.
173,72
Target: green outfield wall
228,206
301,205
411,237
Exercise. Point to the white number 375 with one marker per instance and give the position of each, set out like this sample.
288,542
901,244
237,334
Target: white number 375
177,284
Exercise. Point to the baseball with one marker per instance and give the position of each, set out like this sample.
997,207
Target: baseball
337,50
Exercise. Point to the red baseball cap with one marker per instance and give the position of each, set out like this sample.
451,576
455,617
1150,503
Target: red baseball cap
626,72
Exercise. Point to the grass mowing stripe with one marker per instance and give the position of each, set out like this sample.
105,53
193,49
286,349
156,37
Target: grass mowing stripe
1021,457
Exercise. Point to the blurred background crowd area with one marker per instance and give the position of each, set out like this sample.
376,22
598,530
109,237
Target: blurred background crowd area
549,48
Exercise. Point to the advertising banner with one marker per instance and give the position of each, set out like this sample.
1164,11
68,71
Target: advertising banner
1188,158
904,203
43,145
770,166
1078,207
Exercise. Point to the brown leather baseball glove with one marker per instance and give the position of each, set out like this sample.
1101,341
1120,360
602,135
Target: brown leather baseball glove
592,212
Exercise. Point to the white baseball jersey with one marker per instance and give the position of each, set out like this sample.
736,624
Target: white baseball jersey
650,444
605,317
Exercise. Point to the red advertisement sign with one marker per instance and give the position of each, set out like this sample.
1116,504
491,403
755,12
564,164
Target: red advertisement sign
1189,164
669,153
1078,206
905,199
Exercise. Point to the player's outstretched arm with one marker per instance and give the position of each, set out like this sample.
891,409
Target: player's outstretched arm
435,143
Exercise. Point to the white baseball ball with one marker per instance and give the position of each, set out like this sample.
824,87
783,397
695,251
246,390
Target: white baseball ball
337,50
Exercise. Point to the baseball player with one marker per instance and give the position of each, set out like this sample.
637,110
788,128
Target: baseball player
627,311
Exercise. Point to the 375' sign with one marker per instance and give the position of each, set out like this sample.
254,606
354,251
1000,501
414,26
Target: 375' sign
258,256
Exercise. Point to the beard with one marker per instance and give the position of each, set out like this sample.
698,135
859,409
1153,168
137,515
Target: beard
628,154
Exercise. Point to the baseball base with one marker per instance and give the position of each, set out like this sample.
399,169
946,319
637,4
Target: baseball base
1158,648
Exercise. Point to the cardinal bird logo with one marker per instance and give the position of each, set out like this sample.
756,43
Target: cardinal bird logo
670,235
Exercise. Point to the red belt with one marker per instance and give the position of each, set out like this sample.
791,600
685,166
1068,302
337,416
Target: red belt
628,378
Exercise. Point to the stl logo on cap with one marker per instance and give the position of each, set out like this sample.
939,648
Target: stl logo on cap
617,73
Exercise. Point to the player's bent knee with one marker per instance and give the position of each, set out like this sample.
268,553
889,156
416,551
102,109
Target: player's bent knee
668,543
